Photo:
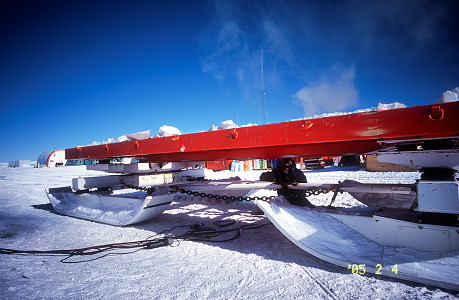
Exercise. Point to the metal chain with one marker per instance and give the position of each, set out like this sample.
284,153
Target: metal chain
223,197
316,192
308,193
148,189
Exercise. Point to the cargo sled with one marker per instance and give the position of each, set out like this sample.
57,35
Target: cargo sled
407,231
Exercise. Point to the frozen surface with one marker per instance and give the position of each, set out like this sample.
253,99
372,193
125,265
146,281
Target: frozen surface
261,264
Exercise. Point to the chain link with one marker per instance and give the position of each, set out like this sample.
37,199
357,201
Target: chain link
223,197
148,189
309,192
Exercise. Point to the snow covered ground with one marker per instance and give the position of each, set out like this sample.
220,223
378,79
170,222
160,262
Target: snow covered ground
261,264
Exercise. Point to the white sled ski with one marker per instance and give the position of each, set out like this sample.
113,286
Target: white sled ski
117,209
313,232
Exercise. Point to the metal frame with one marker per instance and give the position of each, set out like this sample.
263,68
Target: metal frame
330,136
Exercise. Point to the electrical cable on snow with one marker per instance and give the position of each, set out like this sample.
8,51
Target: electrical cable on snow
196,232
94,250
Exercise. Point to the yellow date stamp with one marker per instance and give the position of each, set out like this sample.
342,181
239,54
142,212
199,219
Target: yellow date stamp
360,269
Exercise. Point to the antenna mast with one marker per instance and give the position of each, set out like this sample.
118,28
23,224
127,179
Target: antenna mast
262,89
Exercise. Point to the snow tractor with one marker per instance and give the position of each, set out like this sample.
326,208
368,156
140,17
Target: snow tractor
405,231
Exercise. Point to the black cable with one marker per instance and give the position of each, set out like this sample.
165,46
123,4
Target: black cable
199,232
144,244
196,232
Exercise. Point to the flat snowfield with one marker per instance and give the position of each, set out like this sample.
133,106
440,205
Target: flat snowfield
260,264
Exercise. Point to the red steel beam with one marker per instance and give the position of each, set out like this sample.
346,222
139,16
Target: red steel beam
329,136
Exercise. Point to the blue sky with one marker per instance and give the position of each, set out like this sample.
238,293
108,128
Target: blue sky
74,72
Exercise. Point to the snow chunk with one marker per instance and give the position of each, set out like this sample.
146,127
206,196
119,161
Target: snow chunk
381,106
142,135
228,124
334,114
213,128
134,136
449,96
394,105
122,138
167,130
109,141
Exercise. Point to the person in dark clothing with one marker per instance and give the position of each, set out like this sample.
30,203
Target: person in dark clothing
285,174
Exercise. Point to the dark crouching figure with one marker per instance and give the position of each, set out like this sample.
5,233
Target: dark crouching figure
286,173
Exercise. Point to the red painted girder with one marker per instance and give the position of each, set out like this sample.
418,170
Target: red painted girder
330,136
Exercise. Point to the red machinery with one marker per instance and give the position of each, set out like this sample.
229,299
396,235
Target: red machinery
390,232
330,136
